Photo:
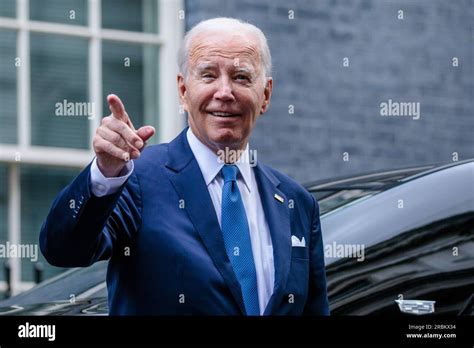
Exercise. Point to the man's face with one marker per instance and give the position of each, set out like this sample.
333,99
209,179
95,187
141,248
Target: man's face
225,91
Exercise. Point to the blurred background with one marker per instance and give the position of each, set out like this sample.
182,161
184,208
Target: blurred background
334,63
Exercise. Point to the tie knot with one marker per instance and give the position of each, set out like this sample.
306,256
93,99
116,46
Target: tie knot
229,172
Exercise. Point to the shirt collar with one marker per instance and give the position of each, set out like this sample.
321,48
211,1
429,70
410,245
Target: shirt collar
210,164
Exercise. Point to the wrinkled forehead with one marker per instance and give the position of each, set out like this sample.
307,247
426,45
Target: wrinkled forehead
234,47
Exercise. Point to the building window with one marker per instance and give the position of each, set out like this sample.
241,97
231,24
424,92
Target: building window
72,12
140,16
58,66
58,53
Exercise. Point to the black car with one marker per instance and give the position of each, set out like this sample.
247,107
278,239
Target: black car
399,241
416,229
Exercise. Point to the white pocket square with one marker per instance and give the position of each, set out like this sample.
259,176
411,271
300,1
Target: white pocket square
295,242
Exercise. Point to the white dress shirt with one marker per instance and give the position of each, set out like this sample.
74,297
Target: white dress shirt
210,168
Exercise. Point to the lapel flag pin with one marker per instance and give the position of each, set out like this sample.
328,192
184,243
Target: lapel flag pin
279,198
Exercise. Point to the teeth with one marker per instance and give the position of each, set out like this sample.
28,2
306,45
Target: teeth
221,114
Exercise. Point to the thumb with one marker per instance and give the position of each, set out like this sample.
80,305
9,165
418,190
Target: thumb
146,132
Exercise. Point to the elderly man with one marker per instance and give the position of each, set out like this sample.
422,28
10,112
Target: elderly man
187,228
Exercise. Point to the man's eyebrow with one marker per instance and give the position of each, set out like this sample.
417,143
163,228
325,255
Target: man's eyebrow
205,66
244,70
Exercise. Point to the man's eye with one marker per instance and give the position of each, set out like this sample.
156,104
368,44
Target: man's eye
207,76
242,77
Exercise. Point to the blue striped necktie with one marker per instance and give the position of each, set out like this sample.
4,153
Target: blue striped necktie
235,231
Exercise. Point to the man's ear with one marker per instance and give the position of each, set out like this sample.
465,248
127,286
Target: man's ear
181,90
267,94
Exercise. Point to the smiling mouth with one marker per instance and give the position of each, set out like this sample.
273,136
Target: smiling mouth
223,114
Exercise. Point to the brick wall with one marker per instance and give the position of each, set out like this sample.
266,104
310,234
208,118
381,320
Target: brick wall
337,108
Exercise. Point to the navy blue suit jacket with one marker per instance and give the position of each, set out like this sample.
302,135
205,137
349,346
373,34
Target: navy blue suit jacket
165,248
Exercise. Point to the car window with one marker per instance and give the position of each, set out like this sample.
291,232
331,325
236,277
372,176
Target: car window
340,192
330,200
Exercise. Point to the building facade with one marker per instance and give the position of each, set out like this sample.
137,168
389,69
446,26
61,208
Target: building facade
336,61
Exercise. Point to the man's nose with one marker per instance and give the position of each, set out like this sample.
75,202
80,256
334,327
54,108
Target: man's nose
224,90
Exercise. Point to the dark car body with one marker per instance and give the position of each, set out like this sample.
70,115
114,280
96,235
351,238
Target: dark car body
417,229
404,234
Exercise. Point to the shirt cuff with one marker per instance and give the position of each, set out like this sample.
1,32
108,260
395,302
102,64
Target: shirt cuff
102,186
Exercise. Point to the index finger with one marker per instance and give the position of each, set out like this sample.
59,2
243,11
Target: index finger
118,110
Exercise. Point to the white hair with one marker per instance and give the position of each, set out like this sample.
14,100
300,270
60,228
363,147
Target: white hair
225,24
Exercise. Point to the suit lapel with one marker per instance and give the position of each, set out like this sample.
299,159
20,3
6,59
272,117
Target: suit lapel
188,181
277,216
